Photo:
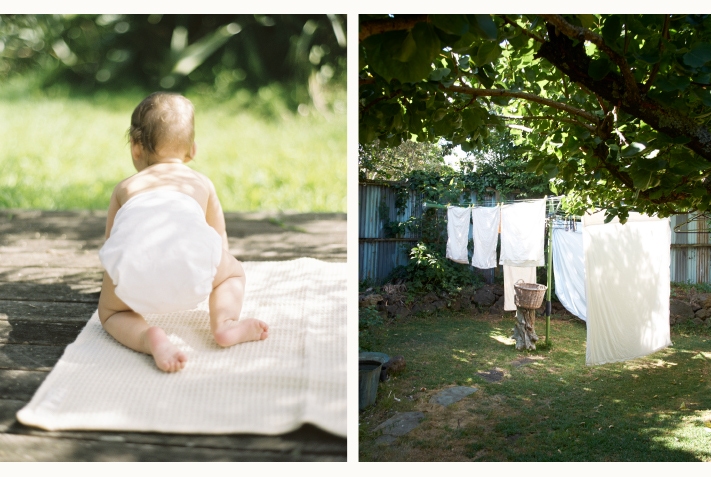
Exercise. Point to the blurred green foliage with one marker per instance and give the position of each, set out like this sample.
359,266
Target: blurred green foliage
213,55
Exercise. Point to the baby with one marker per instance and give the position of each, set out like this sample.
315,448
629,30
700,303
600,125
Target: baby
166,247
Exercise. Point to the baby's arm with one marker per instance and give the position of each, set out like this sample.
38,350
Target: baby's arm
114,206
214,215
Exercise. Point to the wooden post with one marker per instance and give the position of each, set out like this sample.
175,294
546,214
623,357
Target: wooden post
524,332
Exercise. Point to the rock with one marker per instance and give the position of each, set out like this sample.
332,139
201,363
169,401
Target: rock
698,321
707,323
498,306
705,300
455,305
702,314
498,290
484,297
394,365
370,300
680,310
695,306
429,298
452,395
401,423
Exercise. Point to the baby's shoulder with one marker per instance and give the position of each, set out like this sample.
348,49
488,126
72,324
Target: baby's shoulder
205,180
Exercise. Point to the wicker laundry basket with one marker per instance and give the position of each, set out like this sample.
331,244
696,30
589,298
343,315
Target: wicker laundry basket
529,295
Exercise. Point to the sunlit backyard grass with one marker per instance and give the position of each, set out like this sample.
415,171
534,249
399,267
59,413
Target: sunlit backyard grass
548,405
69,153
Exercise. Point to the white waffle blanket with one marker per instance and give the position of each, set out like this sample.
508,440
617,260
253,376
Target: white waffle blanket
296,376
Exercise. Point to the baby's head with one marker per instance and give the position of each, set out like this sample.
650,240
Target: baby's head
163,124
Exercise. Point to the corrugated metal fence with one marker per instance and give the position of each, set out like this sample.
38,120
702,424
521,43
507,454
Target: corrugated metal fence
690,250
379,255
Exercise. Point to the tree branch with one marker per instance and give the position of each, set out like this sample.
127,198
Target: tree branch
553,118
528,96
523,30
580,33
655,68
402,22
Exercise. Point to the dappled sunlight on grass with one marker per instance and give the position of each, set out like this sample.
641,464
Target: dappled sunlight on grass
549,406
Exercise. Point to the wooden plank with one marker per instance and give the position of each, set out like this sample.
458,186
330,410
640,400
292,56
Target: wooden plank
50,292
306,440
8,409
84,259
33,448
46,311
29,357
43,275
20,385
39,332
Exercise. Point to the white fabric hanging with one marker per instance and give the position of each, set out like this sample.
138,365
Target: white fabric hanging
485,231
511,276
569,270
627,286
458,234
522,233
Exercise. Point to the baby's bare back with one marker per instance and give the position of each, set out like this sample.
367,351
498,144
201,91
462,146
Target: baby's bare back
168,176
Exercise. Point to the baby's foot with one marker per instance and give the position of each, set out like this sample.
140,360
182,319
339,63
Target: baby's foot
232,332
167,356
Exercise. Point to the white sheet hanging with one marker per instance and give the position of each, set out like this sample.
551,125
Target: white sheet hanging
627,287
485,226
458,234
522,233
569,270
511,276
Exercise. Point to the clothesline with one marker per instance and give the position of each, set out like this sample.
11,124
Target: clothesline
549,201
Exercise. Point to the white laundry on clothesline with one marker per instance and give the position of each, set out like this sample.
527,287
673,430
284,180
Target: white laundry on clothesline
458,219
522,233
627,285
569,269
485,231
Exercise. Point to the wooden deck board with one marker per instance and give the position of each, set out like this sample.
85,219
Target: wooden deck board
50,280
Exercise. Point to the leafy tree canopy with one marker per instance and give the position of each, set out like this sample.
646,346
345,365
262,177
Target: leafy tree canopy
214,54
379,162
615,109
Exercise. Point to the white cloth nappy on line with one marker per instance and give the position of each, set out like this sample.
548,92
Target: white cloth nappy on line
162,256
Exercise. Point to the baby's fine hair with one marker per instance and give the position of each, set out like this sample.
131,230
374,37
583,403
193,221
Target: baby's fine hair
163,117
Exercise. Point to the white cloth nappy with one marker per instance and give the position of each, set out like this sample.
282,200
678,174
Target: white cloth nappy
162,256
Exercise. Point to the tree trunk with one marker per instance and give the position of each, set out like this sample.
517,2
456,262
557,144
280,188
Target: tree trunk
524,332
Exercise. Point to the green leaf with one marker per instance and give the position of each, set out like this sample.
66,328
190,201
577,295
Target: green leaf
385,50
633,149
612,29
599,68
486,27
407,49
487,53
699,55
641,178
439,114
685,163
588,21
672,83
439,73
453,24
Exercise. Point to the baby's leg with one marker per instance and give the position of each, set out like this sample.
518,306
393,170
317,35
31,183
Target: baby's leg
226,305
131,330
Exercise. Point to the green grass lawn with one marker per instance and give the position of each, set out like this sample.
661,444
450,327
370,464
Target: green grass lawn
69,153
553,408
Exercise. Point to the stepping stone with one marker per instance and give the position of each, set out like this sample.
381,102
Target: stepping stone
452,395
493,375
401,423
